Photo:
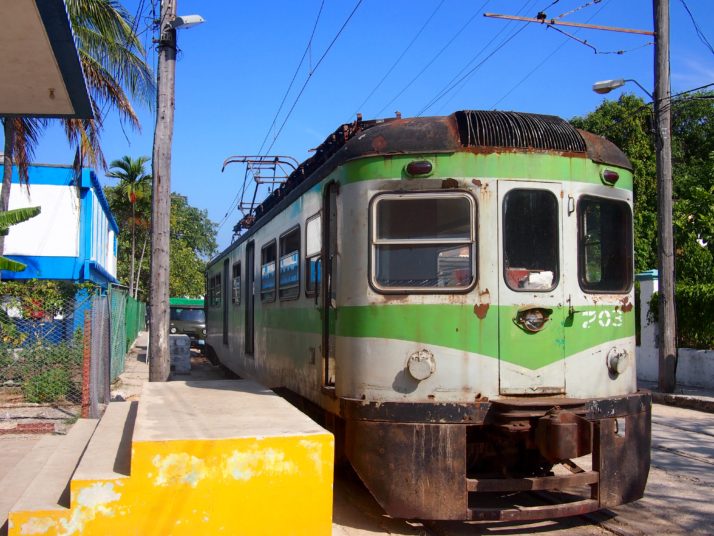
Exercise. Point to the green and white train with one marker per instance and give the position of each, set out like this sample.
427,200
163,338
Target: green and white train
455,295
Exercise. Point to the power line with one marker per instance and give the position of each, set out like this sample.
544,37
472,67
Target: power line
455,80
309,76
700,34
241,192
537,67
433,59
297,70
428,20
307,80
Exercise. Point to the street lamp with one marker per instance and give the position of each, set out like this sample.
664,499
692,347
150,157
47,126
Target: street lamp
606,86
667,342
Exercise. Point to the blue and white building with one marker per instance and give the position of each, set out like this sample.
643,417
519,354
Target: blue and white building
74,238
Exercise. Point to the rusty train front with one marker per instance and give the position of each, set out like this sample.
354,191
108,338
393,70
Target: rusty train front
455,296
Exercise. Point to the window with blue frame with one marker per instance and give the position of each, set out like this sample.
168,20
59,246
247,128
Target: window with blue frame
289,265
313,253
267,272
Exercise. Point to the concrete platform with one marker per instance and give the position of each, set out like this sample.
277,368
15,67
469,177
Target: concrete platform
206,457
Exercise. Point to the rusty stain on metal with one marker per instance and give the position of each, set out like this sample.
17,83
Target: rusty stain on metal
477,183
379,143
449,183
481,309
626,305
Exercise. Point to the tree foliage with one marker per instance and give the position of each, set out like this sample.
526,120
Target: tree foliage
628,122
192,243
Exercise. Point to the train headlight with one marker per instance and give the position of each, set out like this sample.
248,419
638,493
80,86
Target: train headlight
173,329
421,365
419,168
533,319
618,359
204,331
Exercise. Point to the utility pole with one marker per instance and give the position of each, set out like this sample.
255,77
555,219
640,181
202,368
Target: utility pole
160,363
665,251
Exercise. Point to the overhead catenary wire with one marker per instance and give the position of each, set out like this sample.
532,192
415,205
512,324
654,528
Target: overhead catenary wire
697,29
434,58
543,61
401,56
302,89
458,78
239,195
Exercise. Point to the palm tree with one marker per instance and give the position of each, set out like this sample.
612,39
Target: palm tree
114,66
135,183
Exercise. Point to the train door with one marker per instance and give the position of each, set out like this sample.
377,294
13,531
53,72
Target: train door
329,283
530,289
226,299
249,298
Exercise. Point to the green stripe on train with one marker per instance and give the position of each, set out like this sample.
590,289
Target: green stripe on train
524,166
457,327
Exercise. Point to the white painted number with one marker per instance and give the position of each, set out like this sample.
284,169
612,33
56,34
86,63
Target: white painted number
604,318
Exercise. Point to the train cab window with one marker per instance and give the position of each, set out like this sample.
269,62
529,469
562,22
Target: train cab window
235,287
289,266
267,272
530,240
313,251
604,245
423,242
215,290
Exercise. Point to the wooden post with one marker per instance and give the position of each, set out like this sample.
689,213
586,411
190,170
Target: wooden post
665,252
159,364
86,360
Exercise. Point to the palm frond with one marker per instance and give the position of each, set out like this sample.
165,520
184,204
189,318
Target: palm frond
15,216
10,265
27,135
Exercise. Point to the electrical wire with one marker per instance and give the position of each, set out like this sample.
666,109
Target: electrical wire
297,70
297,99
409,46
700,34
433,59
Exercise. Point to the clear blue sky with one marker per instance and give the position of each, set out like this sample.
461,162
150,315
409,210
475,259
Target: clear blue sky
234,70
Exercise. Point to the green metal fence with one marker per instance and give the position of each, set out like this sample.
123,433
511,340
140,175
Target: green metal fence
127,319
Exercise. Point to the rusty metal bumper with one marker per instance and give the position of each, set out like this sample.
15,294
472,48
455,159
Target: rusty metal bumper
413,457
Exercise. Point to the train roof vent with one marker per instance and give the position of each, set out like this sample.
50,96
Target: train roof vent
518,130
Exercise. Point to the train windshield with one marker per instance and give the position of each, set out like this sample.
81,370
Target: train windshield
530,240
423,241
605,245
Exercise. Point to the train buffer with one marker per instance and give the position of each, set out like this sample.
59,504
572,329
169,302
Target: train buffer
191,457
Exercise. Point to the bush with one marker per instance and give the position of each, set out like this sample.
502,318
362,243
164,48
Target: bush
48,386
695,311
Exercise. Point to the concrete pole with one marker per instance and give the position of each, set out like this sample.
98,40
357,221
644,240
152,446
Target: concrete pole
663,104
159,360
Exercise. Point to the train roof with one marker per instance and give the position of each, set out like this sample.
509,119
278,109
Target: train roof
475,131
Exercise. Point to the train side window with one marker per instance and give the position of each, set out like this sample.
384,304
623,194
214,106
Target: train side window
215,290
267,272
423,242
313,251
530,240
604,245
289,266
235,287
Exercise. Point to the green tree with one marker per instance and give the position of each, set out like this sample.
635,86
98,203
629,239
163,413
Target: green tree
114,67
192,242
135,183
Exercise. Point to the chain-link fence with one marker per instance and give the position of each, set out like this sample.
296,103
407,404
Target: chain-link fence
61,344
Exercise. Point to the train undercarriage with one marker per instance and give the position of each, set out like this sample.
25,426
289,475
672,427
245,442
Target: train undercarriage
472,461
